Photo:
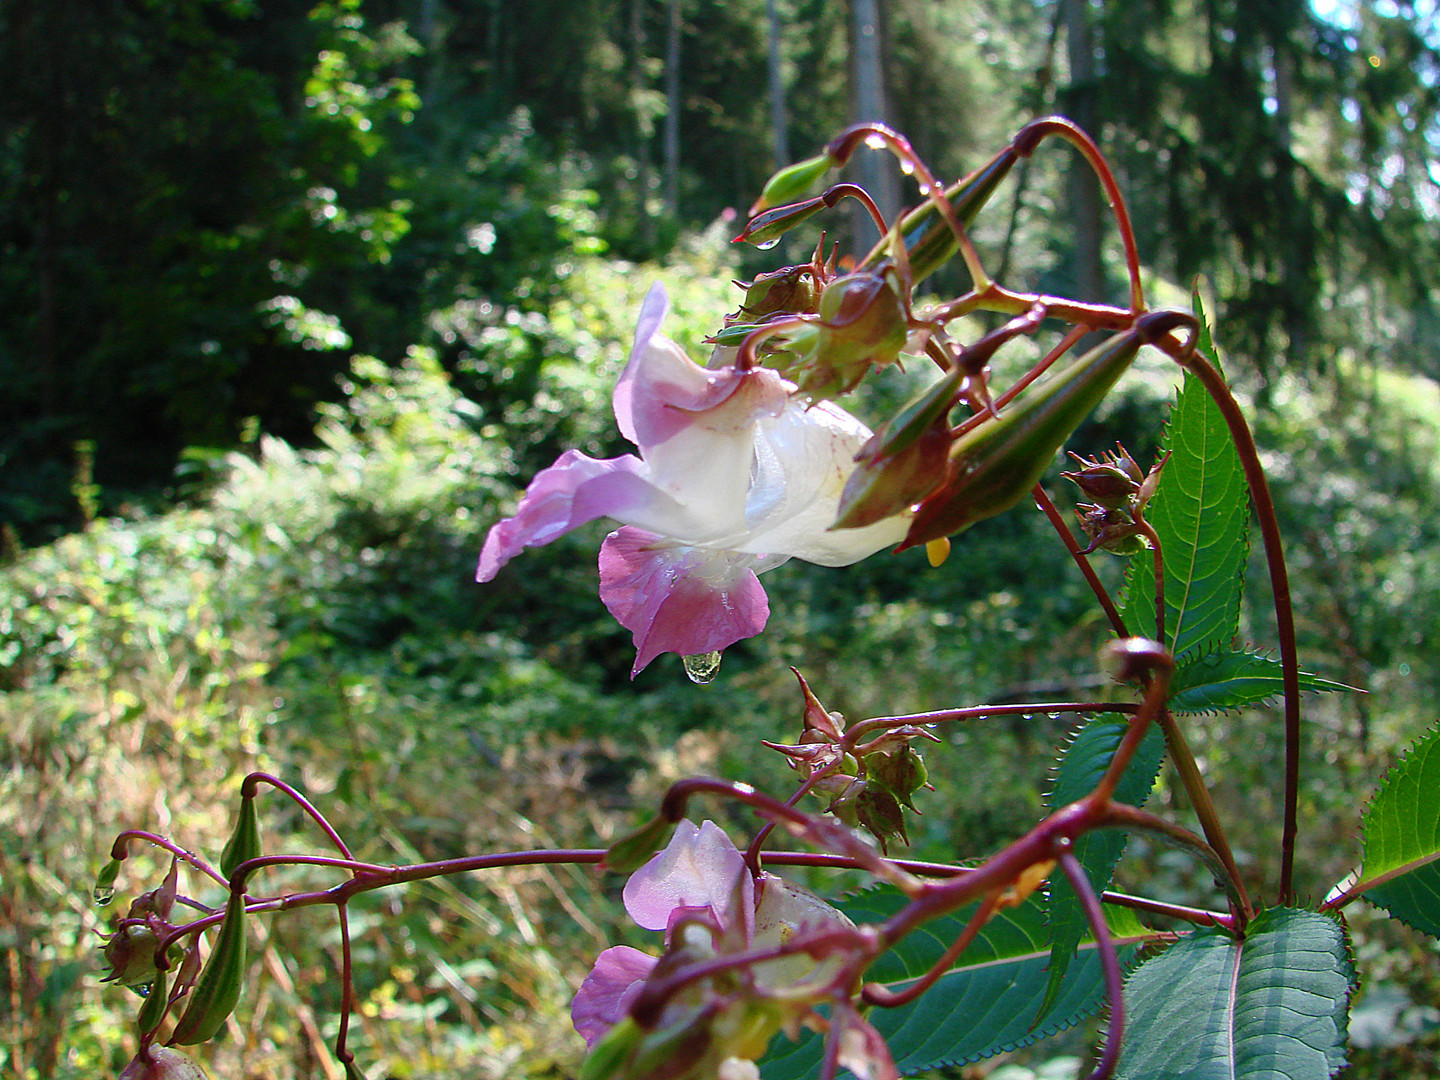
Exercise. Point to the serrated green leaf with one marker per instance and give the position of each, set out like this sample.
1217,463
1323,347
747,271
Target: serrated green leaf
1402,838
1079,770
985,1005
1201,513
1234,680
1213,1008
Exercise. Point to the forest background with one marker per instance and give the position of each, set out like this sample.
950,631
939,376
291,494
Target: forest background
295,296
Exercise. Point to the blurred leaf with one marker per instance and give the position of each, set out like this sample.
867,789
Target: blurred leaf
1402,838
1213,1008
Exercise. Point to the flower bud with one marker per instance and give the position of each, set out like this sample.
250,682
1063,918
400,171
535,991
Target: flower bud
862,325
162,1063
900,770
1110,530
881,815
1108,484
997,462
791,290
764,230
244,843
130,954
904,461
792,182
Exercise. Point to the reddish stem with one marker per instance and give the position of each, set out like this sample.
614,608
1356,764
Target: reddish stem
1077,553
1025,143
248,789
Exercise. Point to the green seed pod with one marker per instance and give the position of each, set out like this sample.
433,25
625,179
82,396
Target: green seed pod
765,229
792,182
929,241
244,842
996,463
105,882
153,1011
217,991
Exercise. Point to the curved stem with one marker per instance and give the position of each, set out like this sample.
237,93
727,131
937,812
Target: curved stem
120,850
1025,143
883,996
840,149
837,192
1159,667
347,986
980,712
1109,963
247,790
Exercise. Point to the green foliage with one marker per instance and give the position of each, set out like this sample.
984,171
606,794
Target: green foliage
1402,838
1084,762
987,1003
1213,682
1213,1007
1200,511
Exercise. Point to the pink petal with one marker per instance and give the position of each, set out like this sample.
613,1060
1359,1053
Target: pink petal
699,868
573,491
662,392
678,599
607,991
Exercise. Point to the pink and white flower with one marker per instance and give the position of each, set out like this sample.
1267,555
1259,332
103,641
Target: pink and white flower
735,475
701,875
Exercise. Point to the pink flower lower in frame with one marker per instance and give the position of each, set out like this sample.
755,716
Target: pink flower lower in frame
735,475
699,888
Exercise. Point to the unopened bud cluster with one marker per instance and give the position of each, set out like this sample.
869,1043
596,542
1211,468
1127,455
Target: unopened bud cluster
1115,519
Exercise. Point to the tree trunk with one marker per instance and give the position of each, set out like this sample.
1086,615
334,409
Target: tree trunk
875,170
1084,189
672,110
778,121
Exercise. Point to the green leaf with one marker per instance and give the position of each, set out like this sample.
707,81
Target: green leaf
1214,1008
1200,511
1079,770
1402,838
986,1004
1233,680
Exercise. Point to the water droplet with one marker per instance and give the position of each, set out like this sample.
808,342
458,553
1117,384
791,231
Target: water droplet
702,667
103,895
143,989
875,141
766,245
907,167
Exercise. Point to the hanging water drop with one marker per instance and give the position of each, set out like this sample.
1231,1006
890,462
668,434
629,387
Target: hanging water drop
766,245
104,894
143,989
875,141
702,667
